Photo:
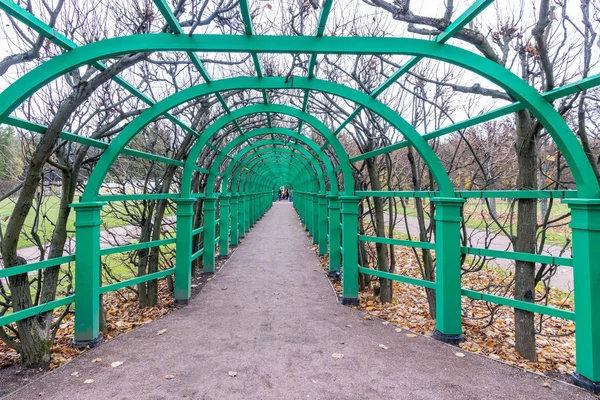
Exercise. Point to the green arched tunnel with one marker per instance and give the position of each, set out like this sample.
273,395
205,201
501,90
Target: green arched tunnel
247,170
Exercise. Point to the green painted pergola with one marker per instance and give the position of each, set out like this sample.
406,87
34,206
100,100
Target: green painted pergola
252,165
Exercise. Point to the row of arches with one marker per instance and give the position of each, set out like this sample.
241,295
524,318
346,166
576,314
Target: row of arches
327,205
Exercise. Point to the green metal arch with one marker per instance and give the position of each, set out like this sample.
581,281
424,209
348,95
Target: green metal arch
279,131
247,164
318,176
116,146
239,179
251,160
259,146
108,157
516,87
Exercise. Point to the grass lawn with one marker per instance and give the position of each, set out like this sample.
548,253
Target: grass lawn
476,216
48,215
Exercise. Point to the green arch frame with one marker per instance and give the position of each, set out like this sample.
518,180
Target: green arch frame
516,87
279,131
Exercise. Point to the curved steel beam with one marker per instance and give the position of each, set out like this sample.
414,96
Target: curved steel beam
267,131
515,86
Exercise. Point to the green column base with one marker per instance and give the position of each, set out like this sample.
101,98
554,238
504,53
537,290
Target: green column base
451,339
350,302
82,344
583,382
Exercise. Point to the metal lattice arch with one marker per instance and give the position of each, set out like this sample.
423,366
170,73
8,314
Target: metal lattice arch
324,192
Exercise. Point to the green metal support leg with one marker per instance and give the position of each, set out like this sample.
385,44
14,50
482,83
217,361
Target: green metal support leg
322,224
183,246
224,226
242,216
585,225
334,233
350,249
315,218
87,274
447,250
234,220
247,212
210,210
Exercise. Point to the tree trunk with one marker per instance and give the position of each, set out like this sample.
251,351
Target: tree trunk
527,137
428,267
386,290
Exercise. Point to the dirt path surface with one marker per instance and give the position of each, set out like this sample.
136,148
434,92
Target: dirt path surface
271,318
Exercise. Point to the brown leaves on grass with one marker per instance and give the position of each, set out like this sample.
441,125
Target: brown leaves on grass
122,315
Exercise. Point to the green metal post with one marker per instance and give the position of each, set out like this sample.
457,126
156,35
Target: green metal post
334,233
247,212
234,220
447,251
251,210
87,274
315,218
242,215
210,210
585,225
183,246
322,199
307,219
350,249
224,226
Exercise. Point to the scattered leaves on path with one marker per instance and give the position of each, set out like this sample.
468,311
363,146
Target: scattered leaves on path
116,364
162,332
232,374
367,317
224,288
459,354
398,330
337,355
411,335
75,374
383,346
96,360
547,385
88,381
169,377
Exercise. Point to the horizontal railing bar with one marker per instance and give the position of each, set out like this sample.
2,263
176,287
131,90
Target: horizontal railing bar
475,295
484,194
33,311
217,239
136,246
136,197
399,278
518,256
197,254
519,304
98,144
197,231
26,268
397,242
135,281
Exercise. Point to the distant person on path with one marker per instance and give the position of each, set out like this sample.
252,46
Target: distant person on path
279,194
